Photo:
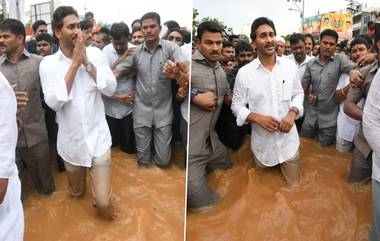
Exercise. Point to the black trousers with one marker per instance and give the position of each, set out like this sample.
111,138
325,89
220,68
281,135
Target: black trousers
52,129
122,133
229,133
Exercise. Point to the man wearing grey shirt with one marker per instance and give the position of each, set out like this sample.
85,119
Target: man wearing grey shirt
153,112
320,82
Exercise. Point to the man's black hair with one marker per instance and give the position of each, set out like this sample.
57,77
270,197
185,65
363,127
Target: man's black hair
135,21
329,32
106,37
310,36
85,25
89,15
186,36
368,38
261,21
38,23
359,40
151,15
295,38
44,37
231,37
208,26
119,30
227,44
59,14
14,26
243,46
171,24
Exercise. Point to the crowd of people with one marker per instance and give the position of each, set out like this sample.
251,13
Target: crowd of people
276,91
71,96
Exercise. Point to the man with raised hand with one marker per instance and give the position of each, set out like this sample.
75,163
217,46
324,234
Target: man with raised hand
73,81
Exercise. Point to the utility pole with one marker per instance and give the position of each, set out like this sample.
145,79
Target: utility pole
4,7
300,9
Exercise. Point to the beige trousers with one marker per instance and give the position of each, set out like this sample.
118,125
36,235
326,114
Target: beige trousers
290,169
100,176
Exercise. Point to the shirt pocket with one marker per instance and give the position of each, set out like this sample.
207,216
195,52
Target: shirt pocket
286,91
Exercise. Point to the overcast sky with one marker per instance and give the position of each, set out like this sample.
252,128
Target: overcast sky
126,10
239,14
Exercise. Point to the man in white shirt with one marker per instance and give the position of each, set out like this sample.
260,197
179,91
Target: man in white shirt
300,58
371,129
272,89
11,213
73,81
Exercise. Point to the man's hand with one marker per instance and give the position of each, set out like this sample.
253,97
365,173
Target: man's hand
288,122
129,97
170,69
79,51
367,59
178,71
228,100
356,78
21,97
182,93
313,99
3,188
127,53
207,101
268,123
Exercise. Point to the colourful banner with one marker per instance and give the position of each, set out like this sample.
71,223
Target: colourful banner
312,25
340,22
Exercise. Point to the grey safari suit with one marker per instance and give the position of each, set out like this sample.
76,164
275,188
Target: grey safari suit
152,110
32,146
206,152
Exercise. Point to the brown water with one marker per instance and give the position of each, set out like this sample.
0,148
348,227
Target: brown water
258,205
149,203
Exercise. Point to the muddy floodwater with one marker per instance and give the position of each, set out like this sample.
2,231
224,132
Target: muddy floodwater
258,205
149,203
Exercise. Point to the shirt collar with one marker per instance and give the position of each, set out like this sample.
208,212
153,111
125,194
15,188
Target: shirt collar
198,56
4,57
257,63
159,44
332,57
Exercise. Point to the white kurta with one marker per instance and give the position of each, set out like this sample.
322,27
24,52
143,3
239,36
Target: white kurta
11,212
270,93
82,128
371,124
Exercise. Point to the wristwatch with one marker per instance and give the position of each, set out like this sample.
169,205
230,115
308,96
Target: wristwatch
193,93
89,67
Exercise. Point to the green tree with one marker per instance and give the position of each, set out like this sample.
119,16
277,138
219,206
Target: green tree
215,20
195,21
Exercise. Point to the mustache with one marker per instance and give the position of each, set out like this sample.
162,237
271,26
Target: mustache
269,45
214,52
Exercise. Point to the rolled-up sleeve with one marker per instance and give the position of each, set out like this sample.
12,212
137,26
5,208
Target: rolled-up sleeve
306,79
346,65
297,95
105,80
53,86
240,100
